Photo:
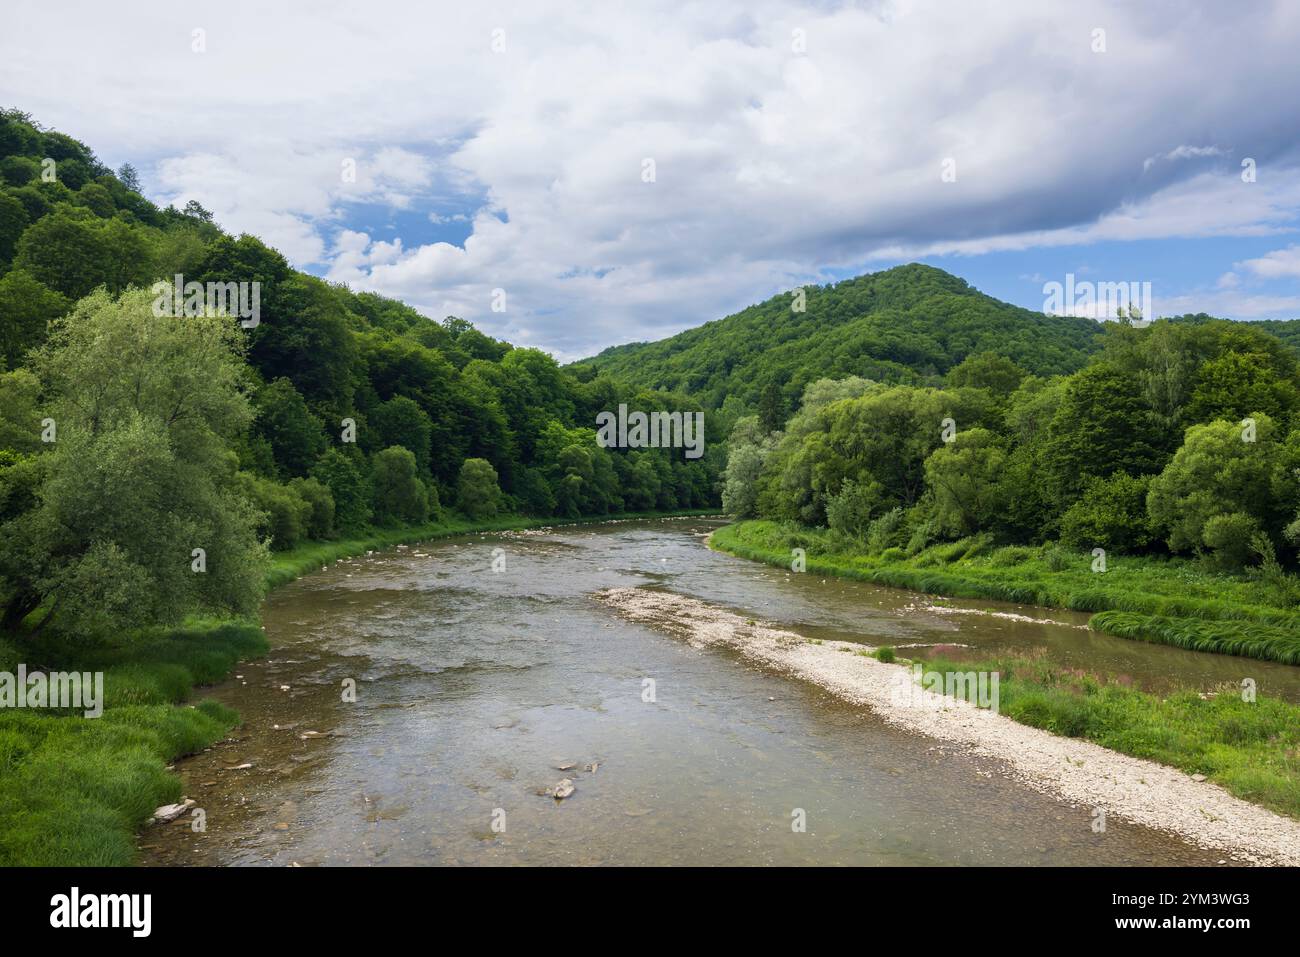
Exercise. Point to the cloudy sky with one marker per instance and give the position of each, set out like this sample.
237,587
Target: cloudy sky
626,170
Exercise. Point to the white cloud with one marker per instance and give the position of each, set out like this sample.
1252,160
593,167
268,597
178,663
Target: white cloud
772,165
1182,153
1230,303
1279,264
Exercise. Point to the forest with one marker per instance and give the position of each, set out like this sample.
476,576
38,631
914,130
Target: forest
129,439
1159,485
1176,438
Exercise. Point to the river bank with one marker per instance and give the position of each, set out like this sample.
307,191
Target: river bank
73,791
1083,773
1164,602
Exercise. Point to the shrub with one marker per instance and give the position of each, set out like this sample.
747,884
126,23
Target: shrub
1229,539
285,514
849,511
1284,587
885,654
882,532
477,492
1058,559
1111,514
320,520
399,495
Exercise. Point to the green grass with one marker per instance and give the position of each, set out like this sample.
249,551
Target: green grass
1229,637
1250,748
73,790
1168,601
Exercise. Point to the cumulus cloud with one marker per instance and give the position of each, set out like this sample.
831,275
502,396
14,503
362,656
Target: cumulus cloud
787,139
1280,263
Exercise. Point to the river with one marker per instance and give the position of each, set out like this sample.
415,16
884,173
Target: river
485,673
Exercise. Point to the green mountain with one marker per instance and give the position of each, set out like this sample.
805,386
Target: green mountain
904,324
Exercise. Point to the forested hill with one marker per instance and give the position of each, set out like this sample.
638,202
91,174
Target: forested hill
349,409
903,324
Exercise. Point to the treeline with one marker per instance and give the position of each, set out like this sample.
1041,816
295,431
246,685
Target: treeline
1181,437
129,439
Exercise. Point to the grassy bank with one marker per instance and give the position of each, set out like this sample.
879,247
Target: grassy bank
1250,748
1163,601
73,790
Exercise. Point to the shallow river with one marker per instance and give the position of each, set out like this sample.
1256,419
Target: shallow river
475,687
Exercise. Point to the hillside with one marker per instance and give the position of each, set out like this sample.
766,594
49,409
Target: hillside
902,324
341,397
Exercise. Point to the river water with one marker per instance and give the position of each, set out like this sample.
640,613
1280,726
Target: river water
477,689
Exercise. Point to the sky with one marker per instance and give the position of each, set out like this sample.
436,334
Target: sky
576,175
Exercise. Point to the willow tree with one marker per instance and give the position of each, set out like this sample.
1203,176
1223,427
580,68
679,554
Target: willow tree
136,519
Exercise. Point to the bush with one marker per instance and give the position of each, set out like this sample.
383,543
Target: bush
477,493
882,532
1111,514
285,515
1057,559
399,495
849,511
885,654
320,520
1284,587
1229,539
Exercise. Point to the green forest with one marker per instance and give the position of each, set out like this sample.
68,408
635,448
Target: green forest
1175,438
336,412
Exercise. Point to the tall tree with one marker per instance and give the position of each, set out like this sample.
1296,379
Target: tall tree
137,520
